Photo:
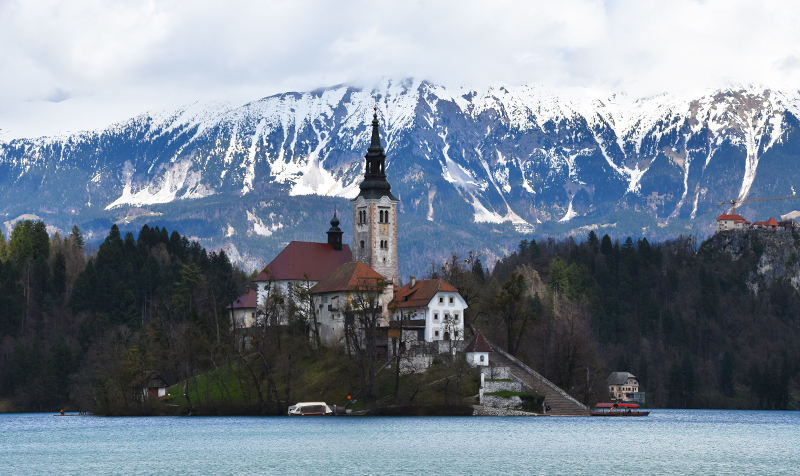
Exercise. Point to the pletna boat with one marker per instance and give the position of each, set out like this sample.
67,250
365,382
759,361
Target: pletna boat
310,409
618,409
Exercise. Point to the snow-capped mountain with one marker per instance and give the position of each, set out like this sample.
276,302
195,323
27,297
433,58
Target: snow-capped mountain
516,160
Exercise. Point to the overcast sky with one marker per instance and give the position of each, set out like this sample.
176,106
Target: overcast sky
74,64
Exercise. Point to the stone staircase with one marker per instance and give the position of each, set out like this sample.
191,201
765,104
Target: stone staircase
559,401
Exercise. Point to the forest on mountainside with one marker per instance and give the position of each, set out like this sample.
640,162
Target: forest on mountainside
680,318
84,328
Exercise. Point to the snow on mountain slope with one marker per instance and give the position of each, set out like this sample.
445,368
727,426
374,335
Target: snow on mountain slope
521,155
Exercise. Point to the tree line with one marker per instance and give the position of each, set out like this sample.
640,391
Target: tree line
680,318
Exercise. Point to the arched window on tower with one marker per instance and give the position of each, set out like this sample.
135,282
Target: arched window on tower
362,244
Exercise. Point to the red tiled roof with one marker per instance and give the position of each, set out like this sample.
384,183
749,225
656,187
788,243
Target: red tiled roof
772,222
421,294
249,300
479,344
304,260
731,217
350,276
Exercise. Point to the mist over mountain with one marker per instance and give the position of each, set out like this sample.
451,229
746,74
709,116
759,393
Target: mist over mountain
474,169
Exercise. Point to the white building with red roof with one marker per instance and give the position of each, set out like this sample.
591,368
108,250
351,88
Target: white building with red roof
727,222
477,351
303,263
432,306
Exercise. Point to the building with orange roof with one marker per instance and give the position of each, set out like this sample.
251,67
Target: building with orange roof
727,222
352,287
431,305
770,224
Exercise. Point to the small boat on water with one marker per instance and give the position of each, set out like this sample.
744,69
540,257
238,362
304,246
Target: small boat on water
618,409
310,409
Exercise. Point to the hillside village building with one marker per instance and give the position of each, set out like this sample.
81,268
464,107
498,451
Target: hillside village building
338,276
727,222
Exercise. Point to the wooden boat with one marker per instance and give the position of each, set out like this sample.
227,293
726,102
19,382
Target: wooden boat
618,410
310,409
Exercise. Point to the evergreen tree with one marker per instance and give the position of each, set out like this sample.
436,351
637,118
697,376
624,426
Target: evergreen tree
606,247
76,238
59,274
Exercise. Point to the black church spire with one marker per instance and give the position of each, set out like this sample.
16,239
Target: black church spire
375,184
335,233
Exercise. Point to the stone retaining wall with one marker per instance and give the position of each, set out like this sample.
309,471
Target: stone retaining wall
481,410
512,386
501,402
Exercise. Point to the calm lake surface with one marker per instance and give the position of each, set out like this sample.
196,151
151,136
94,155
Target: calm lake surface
666,442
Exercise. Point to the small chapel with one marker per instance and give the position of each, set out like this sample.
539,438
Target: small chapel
334,273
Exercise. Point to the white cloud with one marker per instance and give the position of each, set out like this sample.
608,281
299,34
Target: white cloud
83,63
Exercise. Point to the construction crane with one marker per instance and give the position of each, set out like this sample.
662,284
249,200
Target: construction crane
736,202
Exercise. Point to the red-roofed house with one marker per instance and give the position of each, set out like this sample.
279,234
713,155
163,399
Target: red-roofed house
243,310
349,288
770,224
727,222
436,303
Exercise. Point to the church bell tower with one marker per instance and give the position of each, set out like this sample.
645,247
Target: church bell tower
375,213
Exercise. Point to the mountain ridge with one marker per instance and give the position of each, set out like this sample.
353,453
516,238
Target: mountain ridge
522,161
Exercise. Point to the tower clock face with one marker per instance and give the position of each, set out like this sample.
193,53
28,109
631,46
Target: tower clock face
384,229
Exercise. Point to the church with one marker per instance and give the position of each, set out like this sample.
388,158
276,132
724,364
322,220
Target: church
334,273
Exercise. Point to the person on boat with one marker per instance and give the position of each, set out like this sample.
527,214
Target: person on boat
62,412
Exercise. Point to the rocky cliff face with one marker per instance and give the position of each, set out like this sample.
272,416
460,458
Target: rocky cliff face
776,253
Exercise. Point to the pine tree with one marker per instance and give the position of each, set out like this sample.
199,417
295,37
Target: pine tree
76,238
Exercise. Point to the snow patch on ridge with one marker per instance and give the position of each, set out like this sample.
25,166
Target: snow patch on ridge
164,189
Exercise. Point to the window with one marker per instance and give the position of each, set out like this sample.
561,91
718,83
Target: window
455,316
435,316
436,333
451,300
362,244
481,358
441,299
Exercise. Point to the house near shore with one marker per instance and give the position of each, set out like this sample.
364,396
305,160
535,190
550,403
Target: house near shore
152,386
624,386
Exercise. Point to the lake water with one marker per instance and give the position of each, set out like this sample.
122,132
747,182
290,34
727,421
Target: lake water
666,442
